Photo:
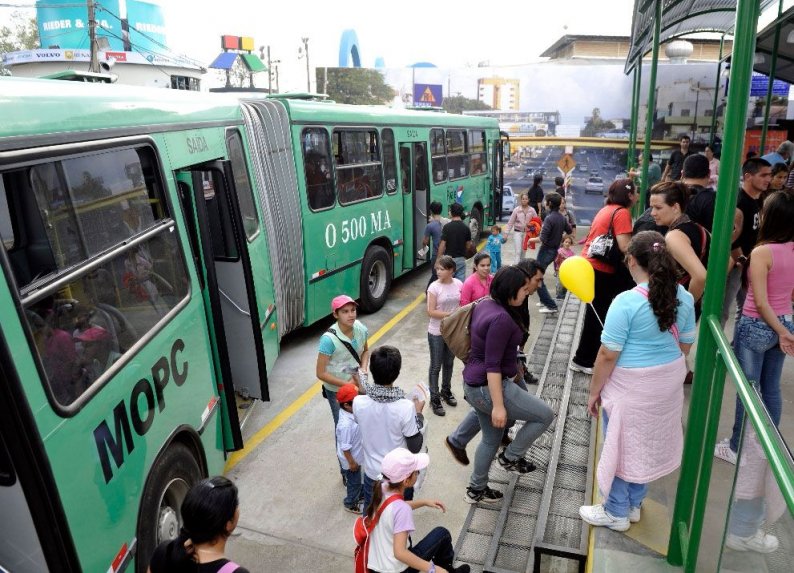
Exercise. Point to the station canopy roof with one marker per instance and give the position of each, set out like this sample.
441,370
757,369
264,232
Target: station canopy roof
765,46
679,18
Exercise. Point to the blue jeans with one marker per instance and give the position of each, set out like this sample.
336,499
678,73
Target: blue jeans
496,260
623,495
436,546
334,403
561,290
460,268
470,425
746,516
441,360
757,349
353,480
520,405
367,486
546,256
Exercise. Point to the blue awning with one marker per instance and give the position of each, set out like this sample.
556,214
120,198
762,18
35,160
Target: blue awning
224,61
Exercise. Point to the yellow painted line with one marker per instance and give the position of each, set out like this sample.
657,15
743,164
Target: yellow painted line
304,398
593,497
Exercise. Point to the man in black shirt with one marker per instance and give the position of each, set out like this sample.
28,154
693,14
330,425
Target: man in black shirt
559,183
695,175
456,241
676,163
555,225
535,193
756,176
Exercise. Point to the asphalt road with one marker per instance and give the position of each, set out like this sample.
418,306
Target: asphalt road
584,205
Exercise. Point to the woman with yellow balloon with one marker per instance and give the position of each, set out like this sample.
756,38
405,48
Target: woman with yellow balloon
607,280
639,383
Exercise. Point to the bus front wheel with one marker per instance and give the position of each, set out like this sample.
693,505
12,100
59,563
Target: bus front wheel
376,274
160,519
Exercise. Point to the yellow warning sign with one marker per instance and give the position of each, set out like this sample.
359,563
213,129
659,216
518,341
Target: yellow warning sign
566,163
427,96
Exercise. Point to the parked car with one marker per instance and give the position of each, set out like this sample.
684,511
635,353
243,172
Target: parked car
594,185
508,200
621,175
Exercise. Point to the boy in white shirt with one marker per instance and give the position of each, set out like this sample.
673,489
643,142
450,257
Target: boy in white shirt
348,447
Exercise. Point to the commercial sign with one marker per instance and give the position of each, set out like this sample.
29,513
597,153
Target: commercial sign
64,23
28,56
427,95
760,84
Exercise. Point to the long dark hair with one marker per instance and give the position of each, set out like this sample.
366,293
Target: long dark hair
505,285
377,495
650,252
206,509
673,192
620,192
776,219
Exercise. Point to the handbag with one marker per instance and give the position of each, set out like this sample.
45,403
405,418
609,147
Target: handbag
605,247
455,329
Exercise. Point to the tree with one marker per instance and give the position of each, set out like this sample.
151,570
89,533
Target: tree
360,86
595,124
21,34
459,104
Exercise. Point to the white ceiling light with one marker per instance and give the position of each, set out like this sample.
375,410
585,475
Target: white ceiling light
759,59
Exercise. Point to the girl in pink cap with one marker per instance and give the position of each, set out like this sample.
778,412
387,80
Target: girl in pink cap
390,522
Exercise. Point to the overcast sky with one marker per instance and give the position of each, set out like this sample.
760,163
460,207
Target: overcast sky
448,34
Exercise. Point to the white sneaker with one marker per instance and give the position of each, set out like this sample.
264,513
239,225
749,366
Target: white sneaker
724,452
583,369
547,310
598,516
538,304
760,542
635,513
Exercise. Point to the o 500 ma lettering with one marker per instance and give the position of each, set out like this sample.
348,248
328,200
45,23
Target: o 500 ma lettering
357,228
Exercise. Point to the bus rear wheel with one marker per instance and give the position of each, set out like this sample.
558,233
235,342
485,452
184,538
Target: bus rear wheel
475,225
376,275
160,517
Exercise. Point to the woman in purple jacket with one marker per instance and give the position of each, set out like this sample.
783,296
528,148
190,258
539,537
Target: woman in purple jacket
489,381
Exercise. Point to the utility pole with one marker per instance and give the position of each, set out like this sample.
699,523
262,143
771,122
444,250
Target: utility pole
308,73
94,65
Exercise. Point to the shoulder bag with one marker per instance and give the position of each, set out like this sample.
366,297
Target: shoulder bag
605,247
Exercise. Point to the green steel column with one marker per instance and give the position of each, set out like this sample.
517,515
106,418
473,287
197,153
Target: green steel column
646,148
635,100
716,96
771,82
705,400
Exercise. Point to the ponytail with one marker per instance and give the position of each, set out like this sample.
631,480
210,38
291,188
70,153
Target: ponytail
377,497
650,252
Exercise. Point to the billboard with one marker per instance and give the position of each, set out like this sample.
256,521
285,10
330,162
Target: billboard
427,95
137,23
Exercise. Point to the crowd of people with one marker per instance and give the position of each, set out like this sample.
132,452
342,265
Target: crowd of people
634,344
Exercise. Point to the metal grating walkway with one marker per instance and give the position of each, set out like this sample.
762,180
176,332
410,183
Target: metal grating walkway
539,512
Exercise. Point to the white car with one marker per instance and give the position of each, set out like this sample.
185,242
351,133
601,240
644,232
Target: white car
594,185
508,200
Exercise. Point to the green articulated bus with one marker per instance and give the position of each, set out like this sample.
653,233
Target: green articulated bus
157,246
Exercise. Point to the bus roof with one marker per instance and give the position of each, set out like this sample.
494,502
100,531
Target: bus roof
303,111
39,107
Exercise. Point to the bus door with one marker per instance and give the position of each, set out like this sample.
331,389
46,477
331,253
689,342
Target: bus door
216,228
416,199
501,152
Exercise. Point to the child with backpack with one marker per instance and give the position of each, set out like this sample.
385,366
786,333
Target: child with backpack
390,522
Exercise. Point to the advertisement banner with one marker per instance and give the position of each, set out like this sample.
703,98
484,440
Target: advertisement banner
752,140
427,95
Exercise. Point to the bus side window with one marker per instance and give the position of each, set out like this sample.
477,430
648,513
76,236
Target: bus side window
438,152
359,173
479,162
242,183
316,164
457,153
59,216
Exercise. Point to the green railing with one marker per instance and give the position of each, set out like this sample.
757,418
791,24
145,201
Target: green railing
714,357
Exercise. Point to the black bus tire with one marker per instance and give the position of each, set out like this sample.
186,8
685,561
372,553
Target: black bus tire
475,225
159,519
376,275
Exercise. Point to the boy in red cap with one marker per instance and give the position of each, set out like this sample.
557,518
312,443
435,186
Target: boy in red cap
348,447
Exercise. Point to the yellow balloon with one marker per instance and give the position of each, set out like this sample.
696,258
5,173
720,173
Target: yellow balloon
576,274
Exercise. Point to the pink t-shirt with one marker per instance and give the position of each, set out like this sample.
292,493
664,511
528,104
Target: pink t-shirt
447,299
779,282
473,288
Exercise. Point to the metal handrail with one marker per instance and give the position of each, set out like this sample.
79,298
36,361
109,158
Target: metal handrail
775,448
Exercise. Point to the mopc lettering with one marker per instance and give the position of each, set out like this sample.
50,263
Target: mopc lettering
138,411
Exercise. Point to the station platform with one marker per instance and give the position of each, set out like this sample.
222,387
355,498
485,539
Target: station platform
291,492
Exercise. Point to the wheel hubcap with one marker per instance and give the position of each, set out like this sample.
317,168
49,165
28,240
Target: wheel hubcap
377,279
168,517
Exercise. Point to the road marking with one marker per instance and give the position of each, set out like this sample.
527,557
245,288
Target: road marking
304,398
